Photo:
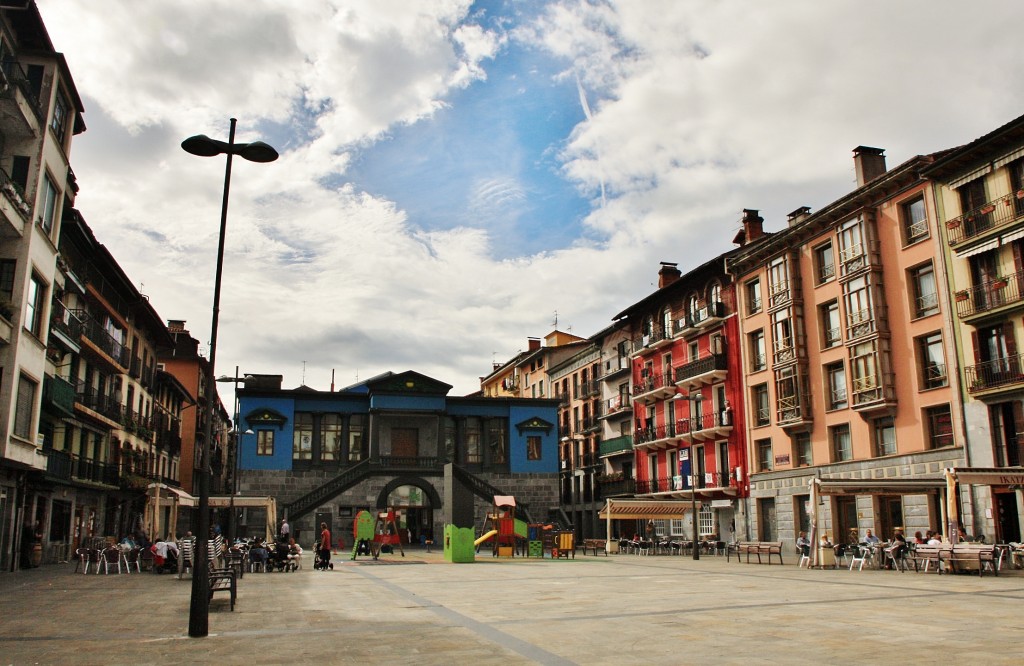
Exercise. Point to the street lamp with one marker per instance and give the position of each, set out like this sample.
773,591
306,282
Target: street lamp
257,151
691,400
236,433
572,481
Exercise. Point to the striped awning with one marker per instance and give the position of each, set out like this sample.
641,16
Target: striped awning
968,177
626,509
978,249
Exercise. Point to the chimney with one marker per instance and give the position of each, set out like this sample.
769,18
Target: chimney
869,163
176,326
534,343
753,227
668,274
797,215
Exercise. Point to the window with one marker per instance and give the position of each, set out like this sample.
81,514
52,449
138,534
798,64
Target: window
765,462
473,455
533,448
885,436
926,297
302,442
835,374
852,256
864,368
831,327
778,282
802,444
707,520
7,271
24,408
49,205
496,437
782,337
842,445
932,361
824,263
762,409
59,123
914,221
940,426
357,438
264,442
330,437
753,289
714,294
860,317
34,306
758,353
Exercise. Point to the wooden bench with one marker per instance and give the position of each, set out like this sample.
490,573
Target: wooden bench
596,545
758,548
222,580
927,555
966,556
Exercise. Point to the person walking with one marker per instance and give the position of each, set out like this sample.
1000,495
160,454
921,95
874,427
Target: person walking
286,530
325,548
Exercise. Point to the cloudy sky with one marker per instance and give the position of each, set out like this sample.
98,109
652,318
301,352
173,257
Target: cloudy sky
454,173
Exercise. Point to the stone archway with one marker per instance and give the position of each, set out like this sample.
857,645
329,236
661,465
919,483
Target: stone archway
417,505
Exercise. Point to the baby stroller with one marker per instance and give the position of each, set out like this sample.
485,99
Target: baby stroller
321,564
164,563
277,558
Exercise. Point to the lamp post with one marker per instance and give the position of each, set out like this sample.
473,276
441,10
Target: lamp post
690,402
236,434
572,481
257,151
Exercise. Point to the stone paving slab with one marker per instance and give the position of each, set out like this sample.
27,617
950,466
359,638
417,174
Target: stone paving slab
597,610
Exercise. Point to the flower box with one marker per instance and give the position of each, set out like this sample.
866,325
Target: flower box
985,210
998,283
962,296
952,224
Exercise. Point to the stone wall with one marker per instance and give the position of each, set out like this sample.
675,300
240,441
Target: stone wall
538,491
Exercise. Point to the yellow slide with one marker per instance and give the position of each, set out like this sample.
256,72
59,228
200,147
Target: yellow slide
484,538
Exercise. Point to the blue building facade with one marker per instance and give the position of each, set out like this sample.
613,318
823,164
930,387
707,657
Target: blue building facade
385,442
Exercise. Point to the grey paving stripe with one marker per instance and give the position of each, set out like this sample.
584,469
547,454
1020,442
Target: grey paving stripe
489,632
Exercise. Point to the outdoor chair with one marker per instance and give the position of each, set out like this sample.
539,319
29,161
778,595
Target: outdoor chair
185,556
111,558
860,556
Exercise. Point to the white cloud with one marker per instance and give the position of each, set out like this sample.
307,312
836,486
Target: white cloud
698,109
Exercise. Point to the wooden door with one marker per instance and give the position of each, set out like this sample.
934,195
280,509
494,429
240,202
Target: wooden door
405,442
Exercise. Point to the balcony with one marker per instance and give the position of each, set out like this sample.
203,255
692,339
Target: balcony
656,339
655,437
714,482
66,326
102,341
653,387
780,294
874,392
616,486
615,367
19,102
615,446
104,405
618,406
135,369
986,220
788,350
991,299
590,388
715,425
86,469
861,323
708,370
14,210
793,411
704,318
994,377
58,395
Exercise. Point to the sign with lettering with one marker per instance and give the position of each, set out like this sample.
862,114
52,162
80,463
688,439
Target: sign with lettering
782,459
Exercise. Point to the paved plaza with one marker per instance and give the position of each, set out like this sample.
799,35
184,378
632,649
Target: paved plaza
622,609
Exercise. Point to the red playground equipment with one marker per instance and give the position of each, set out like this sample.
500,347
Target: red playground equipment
385,533
502,523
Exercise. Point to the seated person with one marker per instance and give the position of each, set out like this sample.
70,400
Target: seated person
918,539
258,553
803,544
898,546
870,538
934,539
294,551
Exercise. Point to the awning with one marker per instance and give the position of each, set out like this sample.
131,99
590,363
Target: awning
504,500
1012,236
1009,157
978,249
183,497
645,510
881,486
993,476
969,176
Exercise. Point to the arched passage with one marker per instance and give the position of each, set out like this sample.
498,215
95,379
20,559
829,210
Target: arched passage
416,500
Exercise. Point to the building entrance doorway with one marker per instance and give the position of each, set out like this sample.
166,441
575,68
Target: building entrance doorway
1008,522
416,519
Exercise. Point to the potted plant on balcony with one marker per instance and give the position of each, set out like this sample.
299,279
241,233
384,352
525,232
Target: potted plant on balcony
998,282
986,209
962,295
1020,193
953,224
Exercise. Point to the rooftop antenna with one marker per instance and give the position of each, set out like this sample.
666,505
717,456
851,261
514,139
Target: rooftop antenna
555,323
303,373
